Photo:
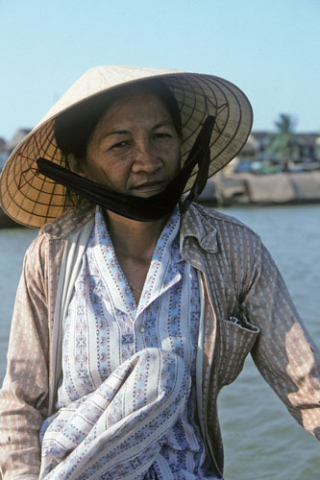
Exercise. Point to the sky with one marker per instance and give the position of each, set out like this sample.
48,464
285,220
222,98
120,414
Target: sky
268,48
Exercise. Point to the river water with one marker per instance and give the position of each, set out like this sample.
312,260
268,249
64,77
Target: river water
261,439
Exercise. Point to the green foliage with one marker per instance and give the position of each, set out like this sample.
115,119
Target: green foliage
283,143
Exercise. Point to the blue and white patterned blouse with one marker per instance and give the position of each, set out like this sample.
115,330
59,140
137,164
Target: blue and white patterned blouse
104,327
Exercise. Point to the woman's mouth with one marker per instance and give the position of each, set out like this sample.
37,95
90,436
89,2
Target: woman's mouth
148,188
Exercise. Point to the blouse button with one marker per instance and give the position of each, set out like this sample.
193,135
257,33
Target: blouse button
142,329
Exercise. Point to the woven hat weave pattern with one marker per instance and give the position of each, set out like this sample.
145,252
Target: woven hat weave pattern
32,199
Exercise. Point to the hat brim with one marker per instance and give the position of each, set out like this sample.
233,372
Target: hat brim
32,199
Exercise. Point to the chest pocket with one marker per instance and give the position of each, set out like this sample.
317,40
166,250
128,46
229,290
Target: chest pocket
237,337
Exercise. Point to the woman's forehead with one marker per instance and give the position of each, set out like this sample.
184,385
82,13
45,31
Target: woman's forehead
137,103
74,129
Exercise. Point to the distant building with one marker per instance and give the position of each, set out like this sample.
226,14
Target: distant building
258,143
309,144
255,154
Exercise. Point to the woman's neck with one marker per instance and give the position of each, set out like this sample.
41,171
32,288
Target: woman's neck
134,243
133,238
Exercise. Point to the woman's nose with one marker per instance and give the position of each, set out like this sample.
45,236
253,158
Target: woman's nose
146,159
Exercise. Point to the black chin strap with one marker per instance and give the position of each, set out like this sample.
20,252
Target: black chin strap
142,209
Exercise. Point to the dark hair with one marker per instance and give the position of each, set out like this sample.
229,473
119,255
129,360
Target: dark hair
74,127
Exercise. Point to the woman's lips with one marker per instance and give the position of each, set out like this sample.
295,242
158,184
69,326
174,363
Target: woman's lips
149,188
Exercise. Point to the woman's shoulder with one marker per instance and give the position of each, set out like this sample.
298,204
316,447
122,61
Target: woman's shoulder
53,235
70,222
218,220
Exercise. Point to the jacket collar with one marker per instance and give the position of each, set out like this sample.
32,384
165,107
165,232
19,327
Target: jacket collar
197,223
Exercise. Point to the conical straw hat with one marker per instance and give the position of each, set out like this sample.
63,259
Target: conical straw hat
31,199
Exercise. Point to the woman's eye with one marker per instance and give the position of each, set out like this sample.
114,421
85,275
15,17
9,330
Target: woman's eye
162,135
119,145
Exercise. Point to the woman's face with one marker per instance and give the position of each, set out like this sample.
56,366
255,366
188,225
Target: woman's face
135,147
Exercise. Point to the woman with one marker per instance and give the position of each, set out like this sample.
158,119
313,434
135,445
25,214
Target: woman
135,308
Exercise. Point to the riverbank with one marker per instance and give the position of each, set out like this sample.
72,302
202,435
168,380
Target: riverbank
252,189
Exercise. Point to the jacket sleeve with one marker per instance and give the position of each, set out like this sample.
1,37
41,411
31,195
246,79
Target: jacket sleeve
284,353
23,397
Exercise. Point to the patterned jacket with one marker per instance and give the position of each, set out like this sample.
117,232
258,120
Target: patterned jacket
246,308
